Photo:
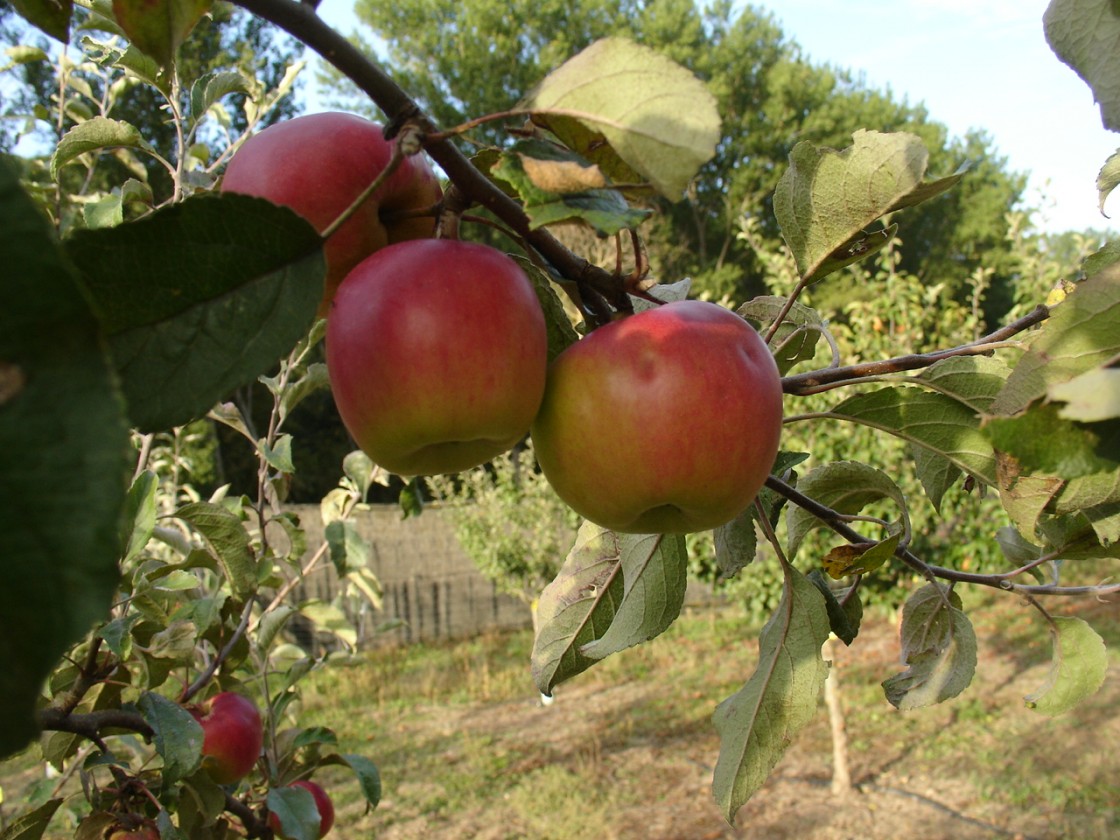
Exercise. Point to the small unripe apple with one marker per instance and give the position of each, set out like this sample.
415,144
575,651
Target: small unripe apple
318,165
666,421
232,736
436,352
323,805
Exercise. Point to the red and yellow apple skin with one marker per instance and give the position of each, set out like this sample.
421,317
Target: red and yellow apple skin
318,165
232,736
666,421
323,805
436,352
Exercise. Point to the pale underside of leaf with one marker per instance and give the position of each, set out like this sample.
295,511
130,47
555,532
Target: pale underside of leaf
656,115
613,591
1078,668
938,648
757,723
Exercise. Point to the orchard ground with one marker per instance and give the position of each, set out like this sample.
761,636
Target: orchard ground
627,750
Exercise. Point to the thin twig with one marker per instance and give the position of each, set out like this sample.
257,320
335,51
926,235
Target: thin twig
211,669
835,521
812,381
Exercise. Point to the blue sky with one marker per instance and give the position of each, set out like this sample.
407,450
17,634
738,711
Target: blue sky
974,64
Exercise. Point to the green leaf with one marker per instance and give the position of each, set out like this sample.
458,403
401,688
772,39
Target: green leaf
973,380
757,723
94,135
51,16
272,623
177,641
657,116
227,541
561,333
369,778
349,550
844,619
848,560
64,461
200,298
32,824
1017,550
1042,441
159,27
139,515
613,591
211,87
935,474
313,380
847,487
934,421
178,736
796,339
654,569
1077,671
279,457
1085,34
118,635
330,618
557,185
938,646
366,772
736,544
1080,336
295,808
1108,179
826,198
360,469
1090,397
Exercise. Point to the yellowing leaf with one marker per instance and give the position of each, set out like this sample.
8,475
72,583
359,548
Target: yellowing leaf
562,176
656,115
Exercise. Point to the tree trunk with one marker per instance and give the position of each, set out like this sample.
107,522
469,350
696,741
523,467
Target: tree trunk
841,775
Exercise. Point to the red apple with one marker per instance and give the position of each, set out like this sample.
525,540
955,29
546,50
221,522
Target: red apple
232,736
436,351
323,805
318,165
665,421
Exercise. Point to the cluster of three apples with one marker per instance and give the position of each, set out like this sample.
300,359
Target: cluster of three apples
667,420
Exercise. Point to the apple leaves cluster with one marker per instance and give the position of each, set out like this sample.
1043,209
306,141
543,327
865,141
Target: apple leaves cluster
147,597
617,118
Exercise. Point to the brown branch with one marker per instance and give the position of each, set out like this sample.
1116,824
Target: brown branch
835,521
301,21
91,725
814,380
211,669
